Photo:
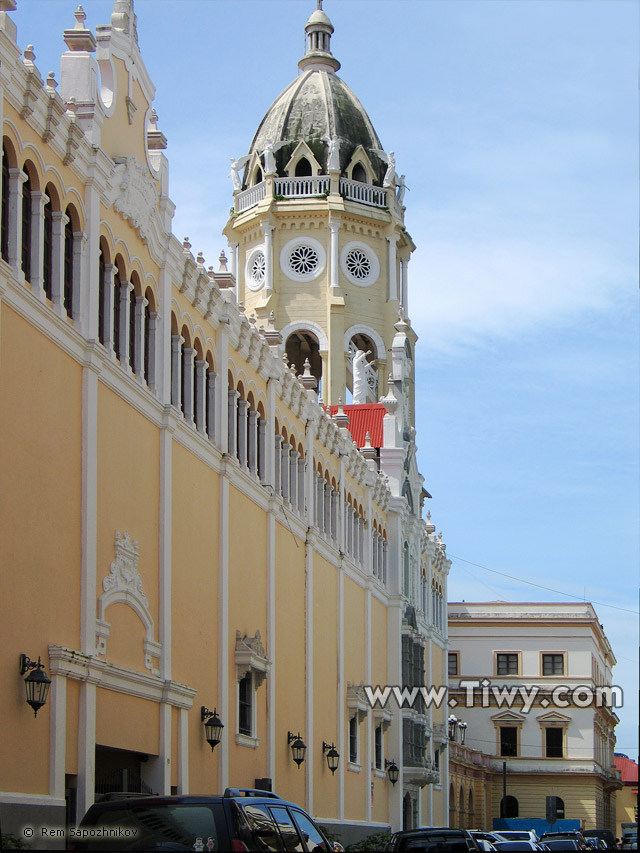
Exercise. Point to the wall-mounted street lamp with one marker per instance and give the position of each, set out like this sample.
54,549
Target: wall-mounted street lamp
392,769
36,684
213,726
457,729
453,725
298,747
333,756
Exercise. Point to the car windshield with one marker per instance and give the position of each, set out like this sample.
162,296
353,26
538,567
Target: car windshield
146,825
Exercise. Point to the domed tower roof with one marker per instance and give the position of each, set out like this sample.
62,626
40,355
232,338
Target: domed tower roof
318,104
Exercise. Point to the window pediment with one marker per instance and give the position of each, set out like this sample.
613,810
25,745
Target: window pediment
251,657
357,701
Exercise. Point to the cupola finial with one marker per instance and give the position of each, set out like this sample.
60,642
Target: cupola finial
318,56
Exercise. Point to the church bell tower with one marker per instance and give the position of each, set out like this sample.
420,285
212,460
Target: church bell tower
317,231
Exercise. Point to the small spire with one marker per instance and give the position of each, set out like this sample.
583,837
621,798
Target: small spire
318,56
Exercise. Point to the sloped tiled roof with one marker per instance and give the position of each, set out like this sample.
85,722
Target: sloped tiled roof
364,418
627,767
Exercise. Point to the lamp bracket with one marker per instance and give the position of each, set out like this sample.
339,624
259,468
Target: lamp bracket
26,664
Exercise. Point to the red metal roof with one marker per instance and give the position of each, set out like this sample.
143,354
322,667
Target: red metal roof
627,767
364,418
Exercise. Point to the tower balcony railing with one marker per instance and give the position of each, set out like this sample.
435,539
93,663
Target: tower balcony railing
249,198
314,186
364,193
308,187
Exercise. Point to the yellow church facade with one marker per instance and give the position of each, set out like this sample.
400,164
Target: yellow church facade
192,520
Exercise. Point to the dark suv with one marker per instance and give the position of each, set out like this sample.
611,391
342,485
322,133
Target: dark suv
240,819
432,839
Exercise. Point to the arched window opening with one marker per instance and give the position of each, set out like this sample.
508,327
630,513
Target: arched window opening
406,573
26,228
470,810
47,261
210,398
508,807
101,296
132,327
362,375
257,176
67,297
117,288
4,216
359,173
186,384
147,340
303,168
300,346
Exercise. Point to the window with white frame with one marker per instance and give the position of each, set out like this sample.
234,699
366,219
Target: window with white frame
357,708
252,666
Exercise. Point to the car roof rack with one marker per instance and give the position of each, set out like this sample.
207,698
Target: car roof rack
250,792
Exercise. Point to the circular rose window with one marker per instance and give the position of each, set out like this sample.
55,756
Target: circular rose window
255,270
303,259
359,264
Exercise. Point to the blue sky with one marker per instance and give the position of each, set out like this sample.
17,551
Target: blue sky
516,124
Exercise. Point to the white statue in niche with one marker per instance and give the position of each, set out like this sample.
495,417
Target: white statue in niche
360,384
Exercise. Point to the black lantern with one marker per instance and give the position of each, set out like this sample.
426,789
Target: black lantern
298,747
36,684
392,769
453,724
333,756
213,726
463,731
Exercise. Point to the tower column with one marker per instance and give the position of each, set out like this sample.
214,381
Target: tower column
334,227
404,284
267,231
393,276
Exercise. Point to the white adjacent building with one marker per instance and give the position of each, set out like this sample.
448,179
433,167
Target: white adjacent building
533,683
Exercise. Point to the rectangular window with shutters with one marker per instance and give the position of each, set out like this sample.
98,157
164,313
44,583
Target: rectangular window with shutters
553,664
507,663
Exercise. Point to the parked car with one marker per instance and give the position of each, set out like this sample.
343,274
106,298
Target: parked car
240,819
484,840
610,841
432,839
561,844
516,835
567,834
518,845
629,837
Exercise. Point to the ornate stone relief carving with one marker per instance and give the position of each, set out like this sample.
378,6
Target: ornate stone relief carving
251,657
135,197
123,584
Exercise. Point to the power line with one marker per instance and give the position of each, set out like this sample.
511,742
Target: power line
540,586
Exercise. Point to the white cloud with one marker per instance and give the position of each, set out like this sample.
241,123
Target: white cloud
465,291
